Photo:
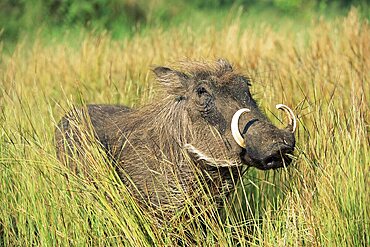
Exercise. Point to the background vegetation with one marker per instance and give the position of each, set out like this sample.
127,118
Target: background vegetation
312,56
19,18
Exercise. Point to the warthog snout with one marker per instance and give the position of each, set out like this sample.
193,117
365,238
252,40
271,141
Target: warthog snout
264,145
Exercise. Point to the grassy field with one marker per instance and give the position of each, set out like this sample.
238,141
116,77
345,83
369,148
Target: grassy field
320,69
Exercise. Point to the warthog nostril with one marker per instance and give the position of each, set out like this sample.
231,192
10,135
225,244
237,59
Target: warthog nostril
278,158
276,161
272,159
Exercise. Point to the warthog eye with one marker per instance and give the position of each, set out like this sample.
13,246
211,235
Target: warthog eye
201,90
204,99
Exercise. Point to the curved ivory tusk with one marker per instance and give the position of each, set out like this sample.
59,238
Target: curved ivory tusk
235,127
292,118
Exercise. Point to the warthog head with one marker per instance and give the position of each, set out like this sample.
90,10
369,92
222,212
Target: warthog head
226,126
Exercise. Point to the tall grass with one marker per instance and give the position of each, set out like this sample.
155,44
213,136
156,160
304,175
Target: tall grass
322,199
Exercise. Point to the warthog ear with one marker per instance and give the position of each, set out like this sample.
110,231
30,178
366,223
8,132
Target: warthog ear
169,76
162,71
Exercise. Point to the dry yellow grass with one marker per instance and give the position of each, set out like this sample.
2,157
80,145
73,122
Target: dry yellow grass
321,71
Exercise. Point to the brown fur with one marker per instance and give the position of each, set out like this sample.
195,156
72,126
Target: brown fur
161,148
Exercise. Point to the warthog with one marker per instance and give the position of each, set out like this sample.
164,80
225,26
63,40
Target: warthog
205,120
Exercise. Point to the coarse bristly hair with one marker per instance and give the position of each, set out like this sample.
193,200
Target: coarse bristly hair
158,149
166,125
174,82
167,116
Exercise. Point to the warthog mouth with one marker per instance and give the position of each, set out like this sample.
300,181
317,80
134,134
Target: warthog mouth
275,161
